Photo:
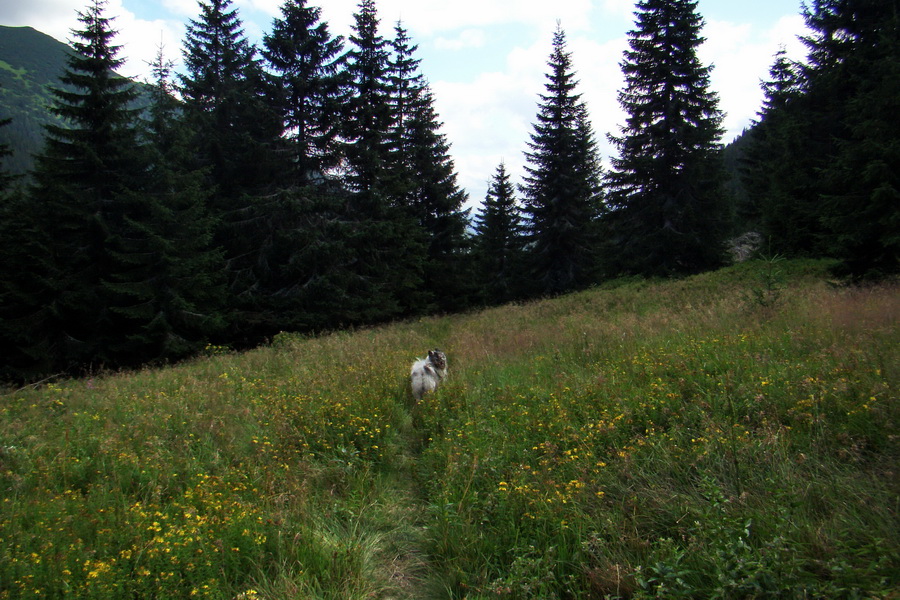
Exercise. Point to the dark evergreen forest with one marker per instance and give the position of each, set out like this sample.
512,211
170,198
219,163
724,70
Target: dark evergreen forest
305,184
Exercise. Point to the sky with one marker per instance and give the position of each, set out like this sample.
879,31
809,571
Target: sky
486,60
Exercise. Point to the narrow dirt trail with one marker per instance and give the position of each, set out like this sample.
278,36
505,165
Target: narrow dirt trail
406,563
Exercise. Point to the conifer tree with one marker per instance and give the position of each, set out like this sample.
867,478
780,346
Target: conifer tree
562,190
368,117
665,184
438,204
173,291
20,239
386,244
406,91
776,161
85,185
26,329
499,242
28,333
827,136
852,85
221,88
235,135
307,84
421,177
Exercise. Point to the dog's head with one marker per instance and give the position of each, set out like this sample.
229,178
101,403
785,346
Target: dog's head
437,358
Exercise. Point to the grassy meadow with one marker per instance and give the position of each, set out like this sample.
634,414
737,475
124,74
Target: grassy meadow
729,435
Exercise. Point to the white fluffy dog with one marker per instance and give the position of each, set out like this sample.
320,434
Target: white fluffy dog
427,373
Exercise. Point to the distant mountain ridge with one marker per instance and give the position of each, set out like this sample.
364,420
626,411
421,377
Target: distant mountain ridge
31,62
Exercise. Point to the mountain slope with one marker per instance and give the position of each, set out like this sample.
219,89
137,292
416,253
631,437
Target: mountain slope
30,63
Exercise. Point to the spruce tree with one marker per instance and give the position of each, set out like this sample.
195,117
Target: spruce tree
386,243
222,91
665,185
28,333
406,91
499,242
307,84
562,190
235,136
20,290
820,163
173,291
86,181
777,169
852,81
368,116
422,179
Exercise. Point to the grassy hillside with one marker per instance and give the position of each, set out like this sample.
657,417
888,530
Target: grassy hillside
730,435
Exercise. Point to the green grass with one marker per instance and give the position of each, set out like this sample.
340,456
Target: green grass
700,438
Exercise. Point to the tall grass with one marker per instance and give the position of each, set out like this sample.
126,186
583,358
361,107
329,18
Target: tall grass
673,439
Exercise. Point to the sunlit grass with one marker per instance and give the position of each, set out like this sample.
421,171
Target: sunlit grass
644,439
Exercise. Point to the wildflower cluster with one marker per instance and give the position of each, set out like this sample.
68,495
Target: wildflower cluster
199,544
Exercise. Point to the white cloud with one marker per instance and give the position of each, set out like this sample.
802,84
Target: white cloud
467,38
600,76
432,18
140,40
623,8
486,120
53,17
143,39
737,57
786,32
184,8
742,55
268,7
